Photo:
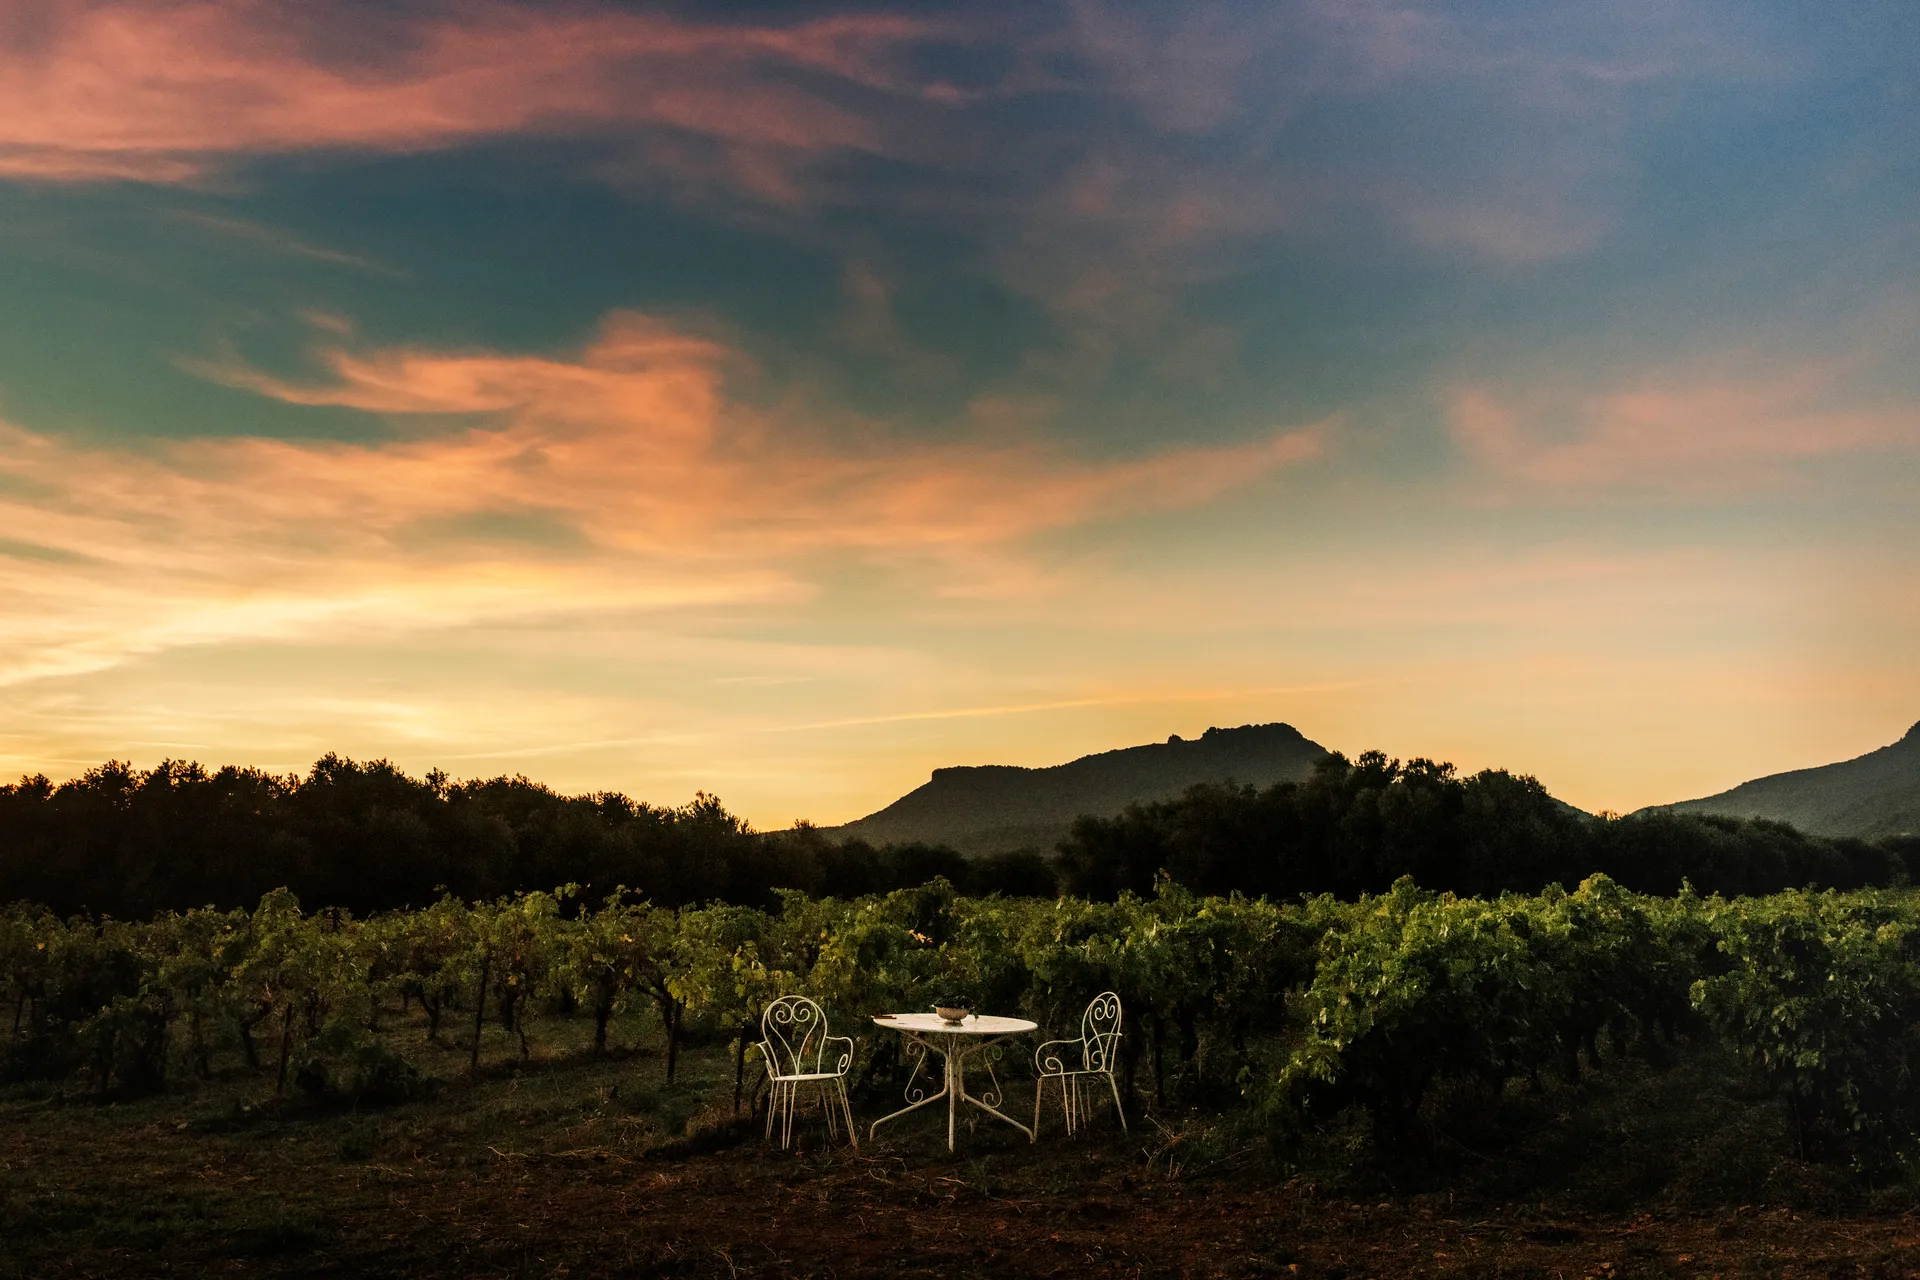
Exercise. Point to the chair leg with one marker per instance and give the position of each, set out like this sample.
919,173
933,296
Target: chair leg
846,1110
1117,1108
1039,1092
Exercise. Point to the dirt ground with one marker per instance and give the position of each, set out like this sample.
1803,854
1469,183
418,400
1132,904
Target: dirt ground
872,1216
584,1168
166,1202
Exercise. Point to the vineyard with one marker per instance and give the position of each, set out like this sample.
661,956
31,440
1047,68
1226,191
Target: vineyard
1299,1013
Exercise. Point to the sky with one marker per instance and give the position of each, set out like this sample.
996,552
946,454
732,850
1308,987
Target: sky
783,401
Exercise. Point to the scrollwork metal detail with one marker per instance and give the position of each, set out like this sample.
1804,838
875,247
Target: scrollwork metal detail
916,1048
989,1055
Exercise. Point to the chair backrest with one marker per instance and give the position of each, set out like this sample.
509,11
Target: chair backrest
1100,1032
793,1035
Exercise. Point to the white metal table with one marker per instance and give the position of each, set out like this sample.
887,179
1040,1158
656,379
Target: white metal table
976,1036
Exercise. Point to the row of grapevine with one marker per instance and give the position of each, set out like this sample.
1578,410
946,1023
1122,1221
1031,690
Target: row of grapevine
1304,1009
1418,987
302,995
1821,994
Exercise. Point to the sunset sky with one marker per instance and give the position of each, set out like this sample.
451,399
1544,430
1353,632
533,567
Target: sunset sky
784,400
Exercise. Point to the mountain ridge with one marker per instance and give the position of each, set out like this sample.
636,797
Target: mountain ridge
1870,797
990,808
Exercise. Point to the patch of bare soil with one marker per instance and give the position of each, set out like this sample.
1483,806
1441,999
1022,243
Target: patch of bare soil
875,1216
191,1204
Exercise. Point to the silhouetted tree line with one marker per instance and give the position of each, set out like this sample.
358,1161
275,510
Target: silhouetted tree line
366,836
1356,826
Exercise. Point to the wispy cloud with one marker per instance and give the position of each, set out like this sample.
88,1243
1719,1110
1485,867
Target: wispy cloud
278,241
1217,124
1688,432
165,92
624,477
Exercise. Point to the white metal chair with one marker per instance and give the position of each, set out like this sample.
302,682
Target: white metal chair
795,1044
1075,1063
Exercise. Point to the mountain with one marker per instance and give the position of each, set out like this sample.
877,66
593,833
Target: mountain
994,807
1872,796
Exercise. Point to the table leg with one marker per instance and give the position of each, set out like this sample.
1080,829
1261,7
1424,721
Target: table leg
956,1088
914,1104
986,1104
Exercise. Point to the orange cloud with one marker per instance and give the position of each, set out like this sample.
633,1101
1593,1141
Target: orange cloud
623,478
1683,432
162,92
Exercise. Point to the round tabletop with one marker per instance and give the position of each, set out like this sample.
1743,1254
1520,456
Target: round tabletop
974,1024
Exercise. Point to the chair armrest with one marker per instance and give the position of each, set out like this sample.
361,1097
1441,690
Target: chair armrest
846,1059
768,1062
1055,1064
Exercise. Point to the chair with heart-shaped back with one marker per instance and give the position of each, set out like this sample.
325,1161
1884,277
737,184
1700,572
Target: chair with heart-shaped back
1077,1063
798,1051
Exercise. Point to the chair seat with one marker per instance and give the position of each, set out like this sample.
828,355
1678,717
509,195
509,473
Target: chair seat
812,1075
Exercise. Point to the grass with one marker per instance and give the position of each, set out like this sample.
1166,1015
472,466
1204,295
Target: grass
564,1164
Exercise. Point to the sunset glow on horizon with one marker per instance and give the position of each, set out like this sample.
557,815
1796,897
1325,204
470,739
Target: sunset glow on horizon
786,401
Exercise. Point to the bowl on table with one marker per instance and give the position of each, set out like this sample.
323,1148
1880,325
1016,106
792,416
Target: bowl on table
956,1012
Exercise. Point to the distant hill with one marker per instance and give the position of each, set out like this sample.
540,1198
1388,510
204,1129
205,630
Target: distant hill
989,808
1873,796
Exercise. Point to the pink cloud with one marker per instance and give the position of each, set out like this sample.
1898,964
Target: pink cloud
161,92
666,490
638,439
1695,432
